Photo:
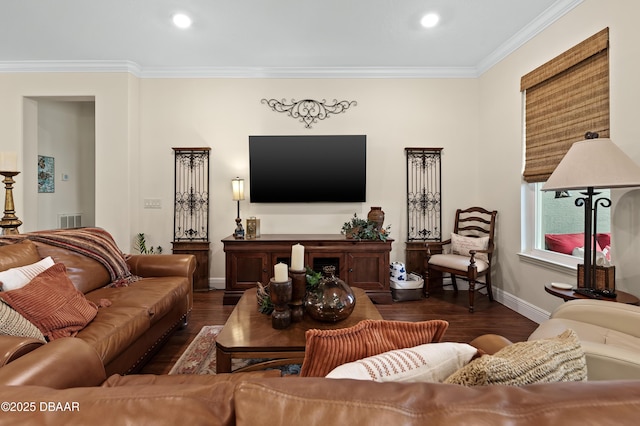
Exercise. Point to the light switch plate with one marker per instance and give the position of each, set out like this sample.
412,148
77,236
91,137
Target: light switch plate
152,203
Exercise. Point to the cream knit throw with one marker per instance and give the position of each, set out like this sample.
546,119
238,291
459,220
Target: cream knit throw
14,324
557,359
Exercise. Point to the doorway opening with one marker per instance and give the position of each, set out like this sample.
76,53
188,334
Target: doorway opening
58,162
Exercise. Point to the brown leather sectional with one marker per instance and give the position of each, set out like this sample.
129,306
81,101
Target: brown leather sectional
43,392
139,318
41,379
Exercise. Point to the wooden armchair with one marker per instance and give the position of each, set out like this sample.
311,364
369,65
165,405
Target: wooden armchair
471,249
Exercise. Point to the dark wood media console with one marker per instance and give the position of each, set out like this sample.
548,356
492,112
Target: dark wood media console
363,264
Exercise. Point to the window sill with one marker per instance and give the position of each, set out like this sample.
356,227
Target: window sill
552,261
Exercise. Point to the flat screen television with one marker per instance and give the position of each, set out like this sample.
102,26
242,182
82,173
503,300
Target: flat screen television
313,168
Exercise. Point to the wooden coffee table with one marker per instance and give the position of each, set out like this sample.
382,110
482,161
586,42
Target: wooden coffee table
249,334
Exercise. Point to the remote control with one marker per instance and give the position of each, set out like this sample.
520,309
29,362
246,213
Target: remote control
587,292
606,293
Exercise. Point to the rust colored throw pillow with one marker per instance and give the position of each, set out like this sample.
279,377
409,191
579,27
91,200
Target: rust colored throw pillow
327,349
52,303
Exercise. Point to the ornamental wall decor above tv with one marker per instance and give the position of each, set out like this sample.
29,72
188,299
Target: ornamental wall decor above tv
309,111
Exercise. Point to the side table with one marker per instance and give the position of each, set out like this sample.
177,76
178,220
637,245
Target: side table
622,297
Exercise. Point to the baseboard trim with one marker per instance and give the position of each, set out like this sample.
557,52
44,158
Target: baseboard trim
524,308
216,283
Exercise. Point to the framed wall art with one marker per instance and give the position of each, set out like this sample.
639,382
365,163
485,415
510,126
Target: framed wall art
46,174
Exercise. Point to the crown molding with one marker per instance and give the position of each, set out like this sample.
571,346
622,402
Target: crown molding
70,66
300,72
549,16
233,72
546,18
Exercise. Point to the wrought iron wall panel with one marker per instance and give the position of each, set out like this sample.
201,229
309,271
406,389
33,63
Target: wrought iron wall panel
424,221
191,205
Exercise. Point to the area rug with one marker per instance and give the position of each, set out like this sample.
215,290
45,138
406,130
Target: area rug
200,356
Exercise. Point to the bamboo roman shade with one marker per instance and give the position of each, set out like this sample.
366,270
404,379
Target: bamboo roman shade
565,98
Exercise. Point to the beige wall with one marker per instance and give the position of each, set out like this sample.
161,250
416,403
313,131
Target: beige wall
476,121
222,113
501,130
114,112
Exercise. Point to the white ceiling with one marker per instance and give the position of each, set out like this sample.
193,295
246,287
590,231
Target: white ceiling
269,37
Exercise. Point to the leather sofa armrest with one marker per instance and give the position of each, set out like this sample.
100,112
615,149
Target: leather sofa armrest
13,347
162,265
62,363
490,343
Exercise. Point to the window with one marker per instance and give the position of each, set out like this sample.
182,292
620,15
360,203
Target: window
560,224
564,98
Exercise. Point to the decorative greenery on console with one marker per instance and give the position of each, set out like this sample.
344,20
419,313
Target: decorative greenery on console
363,229
141,245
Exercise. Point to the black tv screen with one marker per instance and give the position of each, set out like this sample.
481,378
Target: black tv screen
292,169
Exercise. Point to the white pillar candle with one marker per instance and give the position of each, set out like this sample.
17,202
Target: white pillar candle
280,273
8,161
297,257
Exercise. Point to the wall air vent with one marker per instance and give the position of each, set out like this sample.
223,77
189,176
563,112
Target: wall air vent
66,221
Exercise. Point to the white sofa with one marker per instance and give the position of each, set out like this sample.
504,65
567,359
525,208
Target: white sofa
609,333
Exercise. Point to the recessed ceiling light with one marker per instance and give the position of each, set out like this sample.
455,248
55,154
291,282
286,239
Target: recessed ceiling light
430,20
181,20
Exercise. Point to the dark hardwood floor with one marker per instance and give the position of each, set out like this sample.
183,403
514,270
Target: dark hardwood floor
489,317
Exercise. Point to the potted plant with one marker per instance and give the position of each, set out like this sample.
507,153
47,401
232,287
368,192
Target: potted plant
141,245
363,229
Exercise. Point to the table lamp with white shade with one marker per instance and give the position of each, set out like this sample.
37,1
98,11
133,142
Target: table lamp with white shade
594,163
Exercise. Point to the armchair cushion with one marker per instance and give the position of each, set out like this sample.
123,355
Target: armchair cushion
327,349
461,245
456,261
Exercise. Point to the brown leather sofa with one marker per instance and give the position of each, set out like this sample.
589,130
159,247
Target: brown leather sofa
262,398
244,399
132,322
255,398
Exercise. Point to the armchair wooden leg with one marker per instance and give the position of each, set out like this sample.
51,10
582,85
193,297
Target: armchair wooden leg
472,293
454,283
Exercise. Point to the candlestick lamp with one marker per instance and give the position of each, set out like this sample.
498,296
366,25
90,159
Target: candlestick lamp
8,169
237,188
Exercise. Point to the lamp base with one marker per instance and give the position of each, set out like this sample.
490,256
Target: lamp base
604,277
10,226
10,221
238,234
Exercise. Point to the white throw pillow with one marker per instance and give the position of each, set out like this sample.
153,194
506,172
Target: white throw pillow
431,362
15,278
461,245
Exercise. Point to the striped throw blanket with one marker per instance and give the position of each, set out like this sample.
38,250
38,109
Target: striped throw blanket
95,243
